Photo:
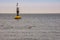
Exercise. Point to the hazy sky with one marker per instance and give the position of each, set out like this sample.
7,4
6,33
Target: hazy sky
30,6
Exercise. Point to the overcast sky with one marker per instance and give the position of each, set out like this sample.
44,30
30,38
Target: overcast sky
30,6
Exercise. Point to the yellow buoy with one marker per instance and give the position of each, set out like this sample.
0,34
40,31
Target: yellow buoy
17,11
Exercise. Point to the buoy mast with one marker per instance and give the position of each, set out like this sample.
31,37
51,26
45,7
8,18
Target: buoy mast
17,10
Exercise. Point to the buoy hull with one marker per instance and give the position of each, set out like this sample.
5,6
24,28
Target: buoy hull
17,17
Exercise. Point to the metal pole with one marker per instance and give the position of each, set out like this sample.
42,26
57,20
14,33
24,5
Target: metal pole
17,10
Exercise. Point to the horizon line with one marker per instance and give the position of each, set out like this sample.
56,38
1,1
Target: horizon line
30,13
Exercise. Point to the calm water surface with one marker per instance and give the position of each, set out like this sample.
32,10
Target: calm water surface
30,27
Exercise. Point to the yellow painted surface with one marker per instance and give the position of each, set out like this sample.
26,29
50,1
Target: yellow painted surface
17,17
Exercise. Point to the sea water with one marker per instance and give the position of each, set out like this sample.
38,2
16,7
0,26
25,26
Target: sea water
30,27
